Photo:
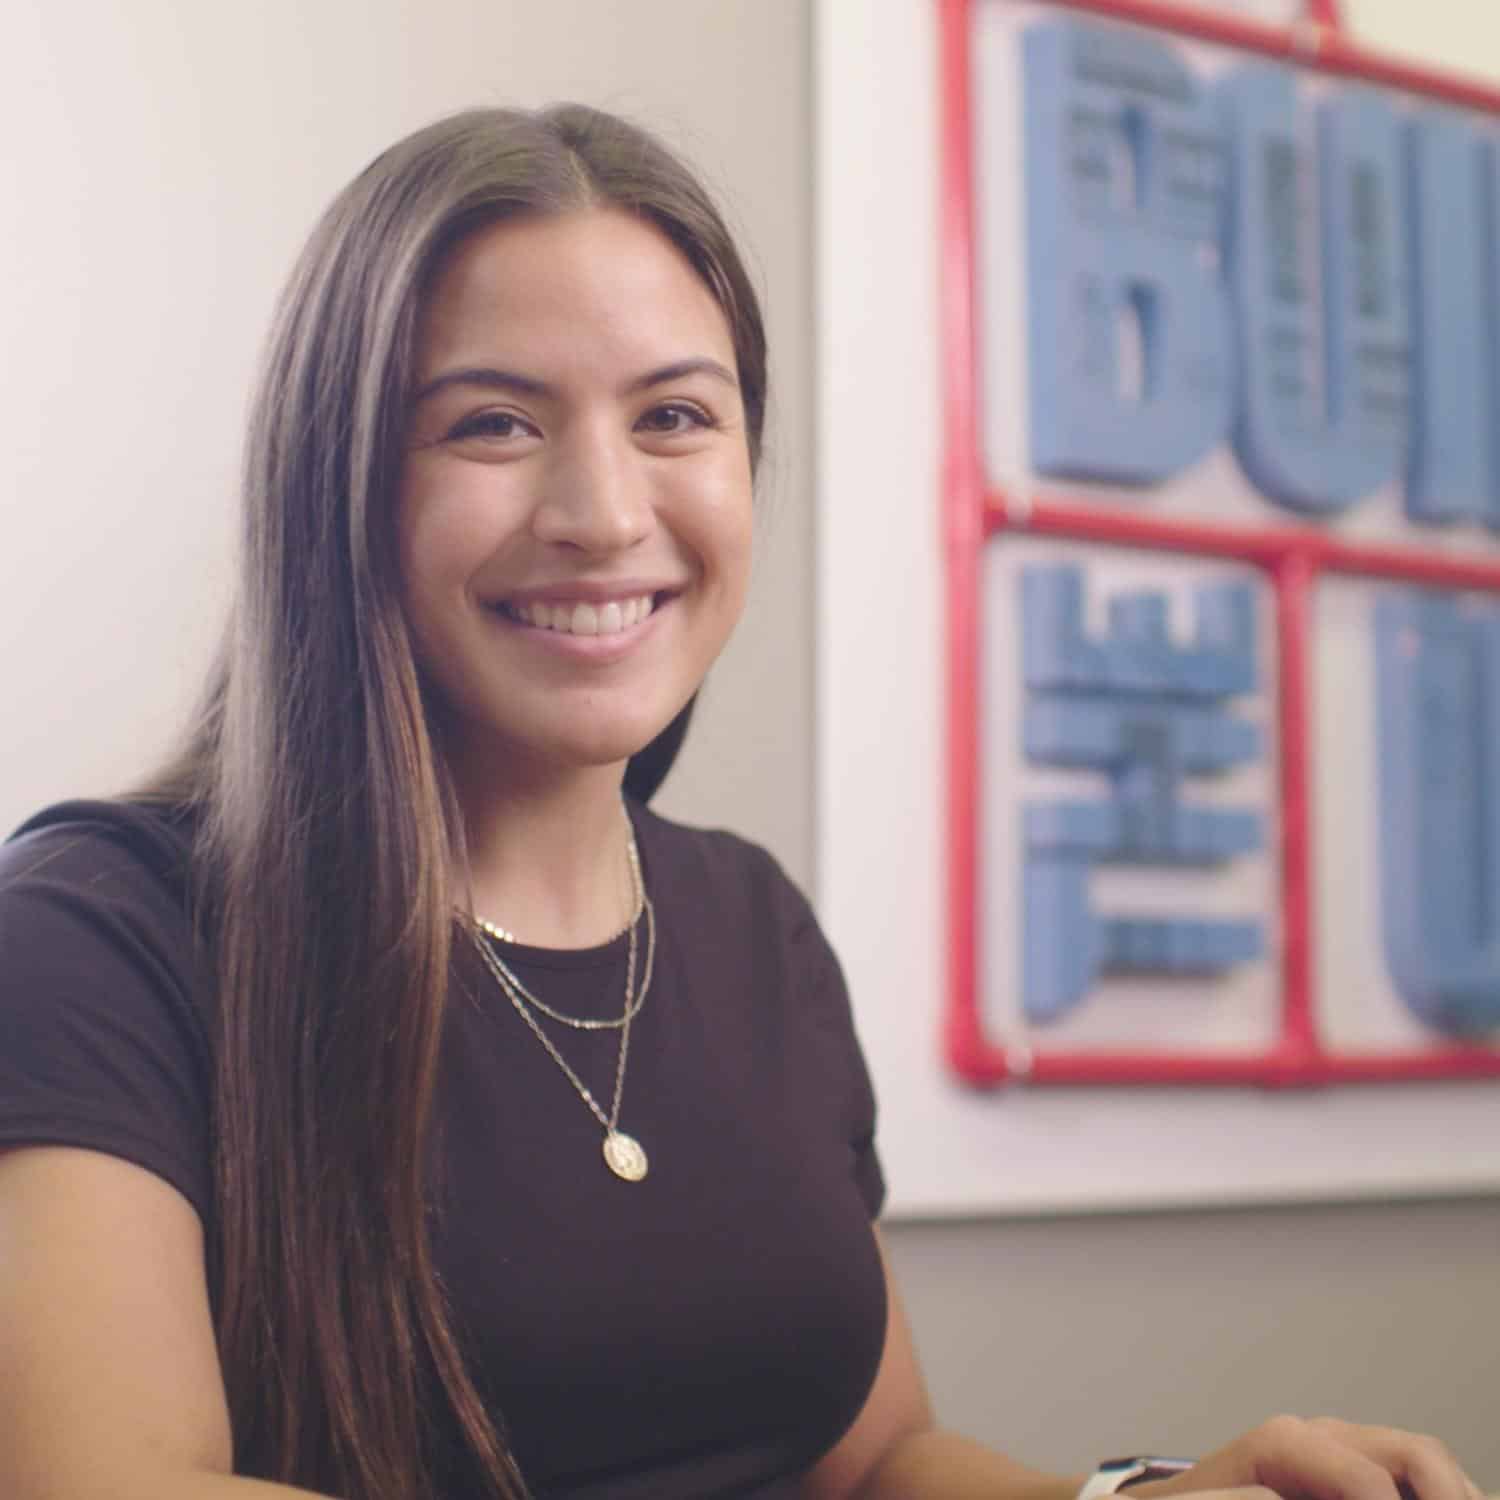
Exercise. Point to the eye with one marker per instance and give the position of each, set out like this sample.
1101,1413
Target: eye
673,417
494,423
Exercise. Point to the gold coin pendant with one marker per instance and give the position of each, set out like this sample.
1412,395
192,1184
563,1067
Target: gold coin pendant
624,1156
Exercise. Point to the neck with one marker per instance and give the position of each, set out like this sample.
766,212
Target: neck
548,857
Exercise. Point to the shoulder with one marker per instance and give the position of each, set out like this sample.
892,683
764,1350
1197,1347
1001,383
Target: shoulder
98,889
711,867
111,849
731,906
105,1035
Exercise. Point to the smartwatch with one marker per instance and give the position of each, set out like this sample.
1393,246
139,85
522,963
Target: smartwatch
1116,1474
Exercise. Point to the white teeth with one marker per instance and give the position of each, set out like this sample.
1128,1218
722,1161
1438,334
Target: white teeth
586,619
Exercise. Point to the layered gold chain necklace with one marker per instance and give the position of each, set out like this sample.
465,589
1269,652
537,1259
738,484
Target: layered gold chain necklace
623,1154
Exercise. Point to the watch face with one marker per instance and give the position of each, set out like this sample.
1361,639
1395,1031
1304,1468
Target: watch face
1143,1470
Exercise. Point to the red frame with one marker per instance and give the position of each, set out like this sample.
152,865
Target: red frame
1292,557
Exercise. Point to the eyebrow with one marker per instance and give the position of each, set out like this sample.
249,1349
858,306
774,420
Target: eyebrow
493,379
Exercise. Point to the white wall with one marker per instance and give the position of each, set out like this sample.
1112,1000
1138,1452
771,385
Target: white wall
165,160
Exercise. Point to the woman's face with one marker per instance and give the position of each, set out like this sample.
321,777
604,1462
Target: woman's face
574,515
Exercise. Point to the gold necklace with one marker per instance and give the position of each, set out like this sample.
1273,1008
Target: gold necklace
623,1154
505,935
505,974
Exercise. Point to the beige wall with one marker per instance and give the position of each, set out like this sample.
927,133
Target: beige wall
1071,1340
165,158
1462,35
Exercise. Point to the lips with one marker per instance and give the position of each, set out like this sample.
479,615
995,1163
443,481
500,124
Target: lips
581,617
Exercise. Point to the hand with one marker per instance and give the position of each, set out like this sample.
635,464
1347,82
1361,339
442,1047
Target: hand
1325,1459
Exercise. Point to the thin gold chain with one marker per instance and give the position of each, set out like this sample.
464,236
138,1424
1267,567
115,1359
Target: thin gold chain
633,1004
510,980
638,897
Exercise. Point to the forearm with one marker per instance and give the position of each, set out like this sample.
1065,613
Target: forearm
93,1479
235,1487
937,1465
203,1486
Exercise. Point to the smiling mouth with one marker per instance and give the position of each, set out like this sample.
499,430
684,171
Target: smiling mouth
583,618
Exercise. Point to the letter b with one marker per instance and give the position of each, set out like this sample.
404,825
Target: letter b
1129,339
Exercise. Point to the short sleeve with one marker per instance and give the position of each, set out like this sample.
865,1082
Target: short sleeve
101,1042
827,1009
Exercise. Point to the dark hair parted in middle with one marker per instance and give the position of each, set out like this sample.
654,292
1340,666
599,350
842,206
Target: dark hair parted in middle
328,833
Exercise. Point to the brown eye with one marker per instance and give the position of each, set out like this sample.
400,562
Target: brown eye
673,417
496,424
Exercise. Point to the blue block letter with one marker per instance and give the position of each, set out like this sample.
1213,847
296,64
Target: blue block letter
1129,340
1438,693
1450,476
1323,352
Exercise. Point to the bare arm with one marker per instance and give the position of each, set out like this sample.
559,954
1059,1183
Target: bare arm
110,1387
894,1451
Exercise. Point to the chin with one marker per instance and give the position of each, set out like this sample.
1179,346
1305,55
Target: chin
604,750
574,736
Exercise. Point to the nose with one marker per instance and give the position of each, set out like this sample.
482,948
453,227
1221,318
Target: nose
596,496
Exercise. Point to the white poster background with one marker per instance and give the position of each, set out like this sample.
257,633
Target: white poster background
950,1149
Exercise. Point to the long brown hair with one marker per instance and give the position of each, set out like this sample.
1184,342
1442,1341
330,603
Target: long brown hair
327,829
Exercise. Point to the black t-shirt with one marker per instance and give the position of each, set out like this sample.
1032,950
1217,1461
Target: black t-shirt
710,1330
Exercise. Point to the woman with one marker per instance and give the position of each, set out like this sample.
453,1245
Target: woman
393,1110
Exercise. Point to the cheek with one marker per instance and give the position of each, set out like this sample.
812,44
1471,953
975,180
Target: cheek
743,530
725,520
743,550
439,542
430,549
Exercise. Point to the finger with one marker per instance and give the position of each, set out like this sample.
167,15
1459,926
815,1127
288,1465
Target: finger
1242,1492
1423,1465
1232,1492
1237,1492
1298,1458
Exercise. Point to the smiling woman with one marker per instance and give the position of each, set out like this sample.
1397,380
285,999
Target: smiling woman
392,1105
574,516
366,978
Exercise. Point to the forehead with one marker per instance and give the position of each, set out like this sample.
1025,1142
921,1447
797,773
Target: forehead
573,288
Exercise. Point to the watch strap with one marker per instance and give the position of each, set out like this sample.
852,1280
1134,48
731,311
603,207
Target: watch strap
1116,1474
